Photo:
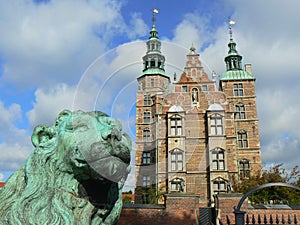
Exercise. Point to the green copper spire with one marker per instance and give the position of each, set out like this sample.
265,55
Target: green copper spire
154,61
233,61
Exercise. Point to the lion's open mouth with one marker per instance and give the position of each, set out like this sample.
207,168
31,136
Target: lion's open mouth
103,194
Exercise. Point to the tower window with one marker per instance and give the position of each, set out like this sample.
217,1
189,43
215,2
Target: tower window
242,139
152,82
177,160
238,90
146,158
244,169
218,159
184,89
147,116
146,135
176,126
147,100
216,125
240,113
146,181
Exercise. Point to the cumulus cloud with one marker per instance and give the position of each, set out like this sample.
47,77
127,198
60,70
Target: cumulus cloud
1,176
53,42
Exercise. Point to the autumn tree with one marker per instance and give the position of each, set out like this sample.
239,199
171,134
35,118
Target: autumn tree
278,195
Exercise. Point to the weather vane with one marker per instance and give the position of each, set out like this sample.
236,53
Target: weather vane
155,11
231,22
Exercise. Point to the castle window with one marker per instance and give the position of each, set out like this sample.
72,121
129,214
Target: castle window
176,126
216,125
184,89
238,90
240,113
147,116
242,139
177,185
152,82
219,186
146,158
146,181
204,87
147,100
244,169
218,159
146,135
176,160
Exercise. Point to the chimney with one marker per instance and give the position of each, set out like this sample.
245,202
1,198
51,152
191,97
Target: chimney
248,68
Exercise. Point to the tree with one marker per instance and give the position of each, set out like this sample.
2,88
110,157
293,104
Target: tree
276,173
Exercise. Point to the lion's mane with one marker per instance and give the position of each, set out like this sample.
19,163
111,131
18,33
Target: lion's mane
46,189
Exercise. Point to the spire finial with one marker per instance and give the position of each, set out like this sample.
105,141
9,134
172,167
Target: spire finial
193,49
231,22
155,11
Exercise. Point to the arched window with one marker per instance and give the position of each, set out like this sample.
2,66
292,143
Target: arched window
240,113
244,168
146,135
242,139
177,185
218,159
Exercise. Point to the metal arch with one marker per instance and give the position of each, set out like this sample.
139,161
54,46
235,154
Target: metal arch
261,187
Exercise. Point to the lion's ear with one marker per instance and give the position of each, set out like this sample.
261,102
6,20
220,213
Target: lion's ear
41,135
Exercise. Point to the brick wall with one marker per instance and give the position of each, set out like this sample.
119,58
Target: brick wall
180,209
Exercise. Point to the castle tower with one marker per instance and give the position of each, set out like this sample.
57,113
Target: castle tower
153,86
239,86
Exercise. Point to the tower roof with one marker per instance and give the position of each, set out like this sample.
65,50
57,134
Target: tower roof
233,60
154,60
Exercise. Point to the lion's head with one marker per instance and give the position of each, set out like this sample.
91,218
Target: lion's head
74,175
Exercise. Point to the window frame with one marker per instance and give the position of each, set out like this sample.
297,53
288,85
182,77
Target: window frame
146,181
216,129
176,126
240,112
176,161
146,135
238,89
147,100
218,159
244,171
242,138
147,116
146,158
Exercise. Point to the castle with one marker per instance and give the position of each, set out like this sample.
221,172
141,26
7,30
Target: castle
200,136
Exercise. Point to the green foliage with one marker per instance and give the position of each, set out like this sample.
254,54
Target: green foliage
279,195
127,199
150,195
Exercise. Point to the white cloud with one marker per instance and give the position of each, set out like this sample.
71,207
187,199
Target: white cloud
53,42
1,176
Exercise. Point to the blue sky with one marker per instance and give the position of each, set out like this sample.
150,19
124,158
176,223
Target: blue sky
58,54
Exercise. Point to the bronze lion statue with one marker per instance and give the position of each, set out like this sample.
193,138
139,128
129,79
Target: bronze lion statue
75,174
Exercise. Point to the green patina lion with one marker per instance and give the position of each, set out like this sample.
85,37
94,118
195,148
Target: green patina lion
74,175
